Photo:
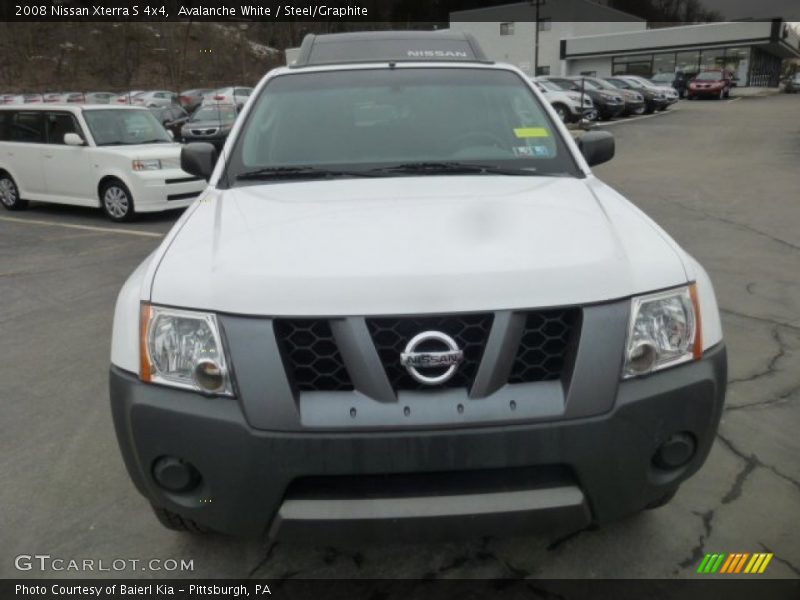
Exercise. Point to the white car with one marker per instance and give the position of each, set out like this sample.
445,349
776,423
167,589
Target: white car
230,95
568,105
118,158
405,305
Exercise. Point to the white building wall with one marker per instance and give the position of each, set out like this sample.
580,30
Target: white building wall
518,49
601,67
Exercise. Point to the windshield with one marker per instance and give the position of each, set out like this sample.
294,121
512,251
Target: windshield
120,127
709,76
663,78
587,84
603,85
215,112
372,118
548,85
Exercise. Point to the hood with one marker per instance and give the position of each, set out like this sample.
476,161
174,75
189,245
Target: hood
207,124
412,245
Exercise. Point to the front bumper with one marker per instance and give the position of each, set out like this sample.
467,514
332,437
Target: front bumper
419,483
164,189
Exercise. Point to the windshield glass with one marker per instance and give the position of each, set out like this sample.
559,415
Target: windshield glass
663,78
603,85
370,118
548,85
215,112
120,127
587,84
709,76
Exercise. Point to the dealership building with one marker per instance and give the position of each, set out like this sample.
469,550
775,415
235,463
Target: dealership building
616,43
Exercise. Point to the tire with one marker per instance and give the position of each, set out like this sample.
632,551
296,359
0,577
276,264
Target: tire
116,201
175,522
662,501
9,193
562,112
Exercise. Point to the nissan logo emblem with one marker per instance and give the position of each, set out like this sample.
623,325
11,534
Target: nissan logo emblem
448,358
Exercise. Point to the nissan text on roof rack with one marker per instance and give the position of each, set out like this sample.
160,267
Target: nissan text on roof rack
119,158
405,308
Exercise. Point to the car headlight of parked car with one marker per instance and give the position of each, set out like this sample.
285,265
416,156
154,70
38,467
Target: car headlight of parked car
182,348
664,331
147,165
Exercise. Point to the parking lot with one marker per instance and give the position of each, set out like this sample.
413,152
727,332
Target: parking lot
721,177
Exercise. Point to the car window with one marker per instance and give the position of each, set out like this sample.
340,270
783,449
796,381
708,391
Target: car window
5,119
60,124
369,118
117,127
28,127
243,91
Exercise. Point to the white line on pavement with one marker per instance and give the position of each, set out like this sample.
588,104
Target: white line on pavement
632,119
84,227
735,99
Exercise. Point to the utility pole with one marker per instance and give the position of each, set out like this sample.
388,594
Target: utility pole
538,4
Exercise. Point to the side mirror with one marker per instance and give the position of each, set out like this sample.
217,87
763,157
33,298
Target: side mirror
198,159
597,147
73,139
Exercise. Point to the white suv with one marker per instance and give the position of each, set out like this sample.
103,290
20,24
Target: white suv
118,158
405,306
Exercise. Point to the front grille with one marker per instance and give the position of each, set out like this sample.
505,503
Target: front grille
544,346
391,334
311,356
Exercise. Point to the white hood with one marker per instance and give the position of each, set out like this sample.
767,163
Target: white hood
413,245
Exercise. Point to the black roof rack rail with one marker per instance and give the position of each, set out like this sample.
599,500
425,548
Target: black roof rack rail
389,46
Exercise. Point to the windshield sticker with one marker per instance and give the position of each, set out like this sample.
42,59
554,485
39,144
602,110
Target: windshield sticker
531,132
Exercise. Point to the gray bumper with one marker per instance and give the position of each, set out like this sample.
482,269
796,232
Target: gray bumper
419,483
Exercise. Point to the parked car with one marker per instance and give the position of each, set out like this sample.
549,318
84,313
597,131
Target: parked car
127,97
155,98
172,118
711,84
570,106
634,101
118,158
293,350
608,104
99,97
229,95
670,93
654,98
211,123
191,99
793,84
677,81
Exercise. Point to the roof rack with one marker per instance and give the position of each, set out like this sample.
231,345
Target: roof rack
389,46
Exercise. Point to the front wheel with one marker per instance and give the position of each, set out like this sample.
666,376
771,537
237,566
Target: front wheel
117,201
9,194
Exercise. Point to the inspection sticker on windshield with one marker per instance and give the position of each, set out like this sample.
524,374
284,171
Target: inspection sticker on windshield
531,132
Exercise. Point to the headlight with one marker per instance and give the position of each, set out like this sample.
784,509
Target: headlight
182,348
146,165
664,330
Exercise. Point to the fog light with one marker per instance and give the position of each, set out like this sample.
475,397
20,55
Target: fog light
676,451
175,475
208,375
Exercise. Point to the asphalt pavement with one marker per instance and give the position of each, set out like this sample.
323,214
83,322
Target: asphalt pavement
721,177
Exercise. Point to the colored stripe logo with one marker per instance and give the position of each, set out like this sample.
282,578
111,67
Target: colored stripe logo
734,563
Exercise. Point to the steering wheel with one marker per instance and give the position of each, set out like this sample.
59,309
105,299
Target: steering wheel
462,140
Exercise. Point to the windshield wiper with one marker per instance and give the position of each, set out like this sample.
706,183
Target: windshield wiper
300,173
452,168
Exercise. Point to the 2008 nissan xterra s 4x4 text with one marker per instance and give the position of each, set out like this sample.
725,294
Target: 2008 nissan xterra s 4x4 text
405,307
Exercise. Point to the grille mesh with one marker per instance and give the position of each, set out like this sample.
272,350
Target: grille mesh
391,334
311,355
542,351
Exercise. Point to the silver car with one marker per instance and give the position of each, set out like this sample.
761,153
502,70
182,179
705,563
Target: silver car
158,98
236,95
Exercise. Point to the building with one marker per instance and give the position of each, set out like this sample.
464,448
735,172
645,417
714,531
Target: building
507,32
753,50
583,37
